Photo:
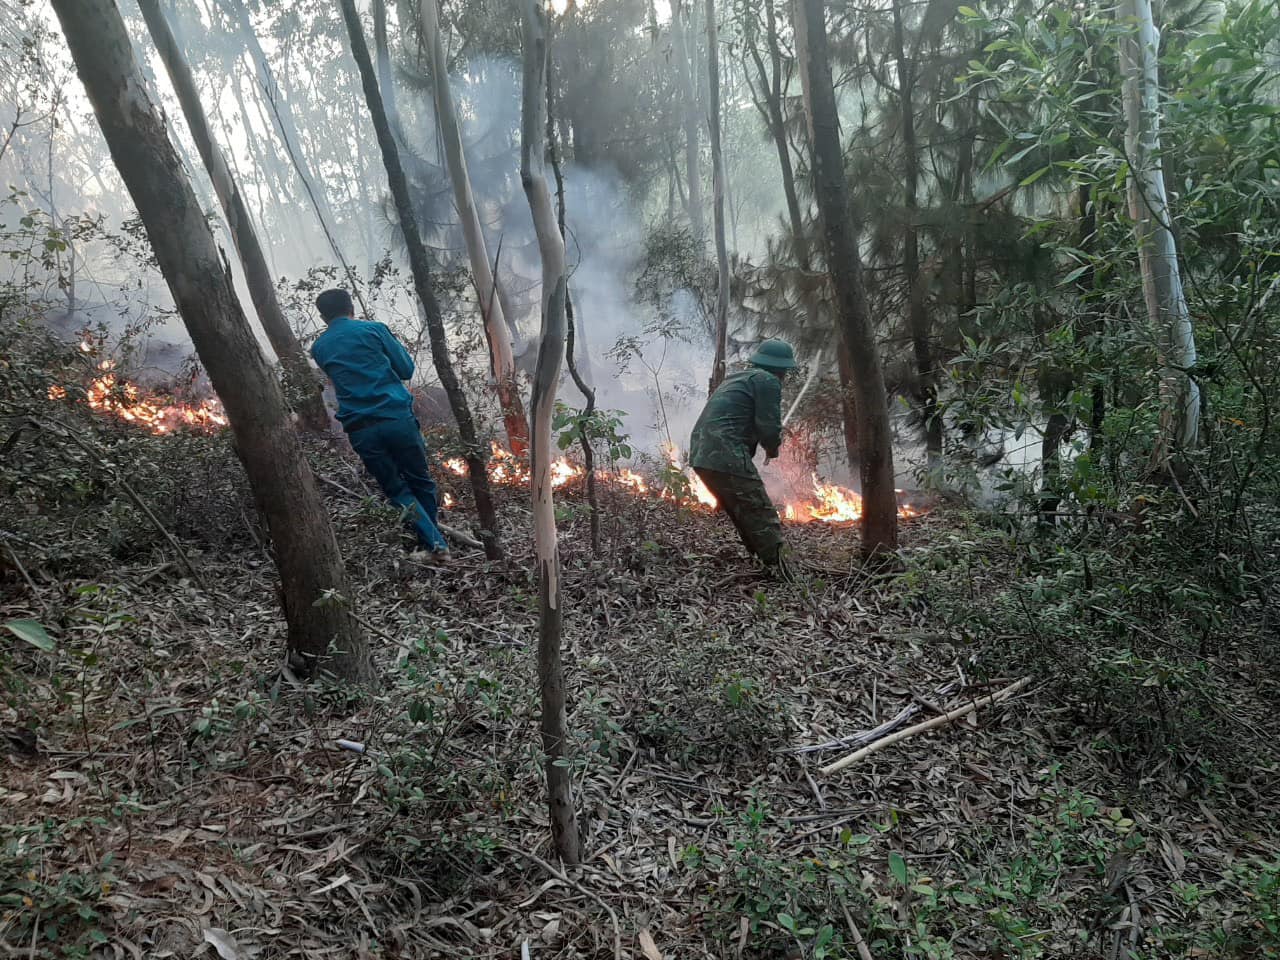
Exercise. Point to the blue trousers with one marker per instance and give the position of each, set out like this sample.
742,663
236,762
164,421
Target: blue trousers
394,452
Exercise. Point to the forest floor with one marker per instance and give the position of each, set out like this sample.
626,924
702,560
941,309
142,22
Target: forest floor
188,798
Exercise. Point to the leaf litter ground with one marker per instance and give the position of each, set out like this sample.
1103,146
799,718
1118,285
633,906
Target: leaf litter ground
198,798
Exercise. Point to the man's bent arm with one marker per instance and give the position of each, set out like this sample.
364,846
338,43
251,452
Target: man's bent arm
401,362
768,413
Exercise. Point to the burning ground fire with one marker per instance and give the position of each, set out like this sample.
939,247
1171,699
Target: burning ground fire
111,394
829,503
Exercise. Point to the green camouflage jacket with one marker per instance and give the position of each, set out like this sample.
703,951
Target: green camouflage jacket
745,411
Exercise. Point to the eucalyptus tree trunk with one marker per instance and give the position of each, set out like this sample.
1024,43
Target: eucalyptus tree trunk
386,76
302,386
572,327
1157,251
420,267
496,331
718,185
282,116
926,388
322,630
564,821
879,520
688,93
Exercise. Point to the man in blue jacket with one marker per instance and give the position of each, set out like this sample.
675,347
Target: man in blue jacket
367,365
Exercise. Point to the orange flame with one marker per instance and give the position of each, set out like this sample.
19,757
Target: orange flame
829,503
506,469
833,503
629,478
120,398
697,489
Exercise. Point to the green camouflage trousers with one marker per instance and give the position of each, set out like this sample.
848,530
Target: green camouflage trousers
747,503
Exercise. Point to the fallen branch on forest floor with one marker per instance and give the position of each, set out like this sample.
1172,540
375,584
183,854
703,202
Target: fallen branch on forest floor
865,737
453,533
949,717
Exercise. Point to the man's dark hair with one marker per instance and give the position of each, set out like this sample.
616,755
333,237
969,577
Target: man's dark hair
335,303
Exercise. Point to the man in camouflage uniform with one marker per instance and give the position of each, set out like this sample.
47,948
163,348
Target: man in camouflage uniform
744,413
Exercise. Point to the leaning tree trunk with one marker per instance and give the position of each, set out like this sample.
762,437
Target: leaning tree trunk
322,629
926,387
420,267
302,386
717,180
386,75
496,331
564,821
688,94
844,262
1157,251
282,116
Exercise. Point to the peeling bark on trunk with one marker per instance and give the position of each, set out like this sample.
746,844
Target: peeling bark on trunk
302,386
879,521
564,821
321,632
420,266
926,389
496,330
717,203
1157,251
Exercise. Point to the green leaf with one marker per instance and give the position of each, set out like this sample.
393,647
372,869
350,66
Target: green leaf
966,11
898,867
1075,274
786,921
1033,177
32,632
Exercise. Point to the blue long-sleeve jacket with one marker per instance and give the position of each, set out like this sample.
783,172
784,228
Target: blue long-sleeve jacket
366,364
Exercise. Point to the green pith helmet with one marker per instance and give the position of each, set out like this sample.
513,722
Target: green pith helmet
774,354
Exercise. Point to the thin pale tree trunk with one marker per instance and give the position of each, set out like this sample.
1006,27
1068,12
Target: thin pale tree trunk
282,115
1157,251
496,331
926,389
386,75
322,630
688,93
572,327
302,386
546,378
717,202
879,522
420,267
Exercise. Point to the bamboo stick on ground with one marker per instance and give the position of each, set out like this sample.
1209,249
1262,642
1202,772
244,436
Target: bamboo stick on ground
949,717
